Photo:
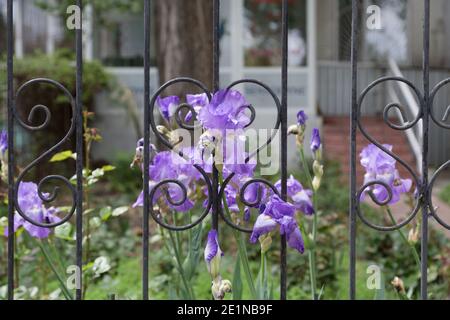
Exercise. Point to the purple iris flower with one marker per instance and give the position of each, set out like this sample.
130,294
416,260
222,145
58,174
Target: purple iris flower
293,186
255,193
213,253
225,111
374,160
197,101
315,140
300,197
169,165
234,155
168,106
31,204
279,213
163,167
212,248
247,214
380,166
302,201
301,118
263,225
3,141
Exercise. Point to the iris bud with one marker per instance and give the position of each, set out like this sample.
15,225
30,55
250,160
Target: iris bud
163,130
215,266
265,242
293,129
318,174
225,286
413,235
398,285
215,289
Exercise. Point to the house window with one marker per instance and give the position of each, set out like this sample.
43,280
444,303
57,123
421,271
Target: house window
262,33
119,39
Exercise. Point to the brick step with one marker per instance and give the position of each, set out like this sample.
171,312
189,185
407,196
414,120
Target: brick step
335,144
336,141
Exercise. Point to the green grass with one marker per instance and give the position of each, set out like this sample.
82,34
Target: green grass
126,282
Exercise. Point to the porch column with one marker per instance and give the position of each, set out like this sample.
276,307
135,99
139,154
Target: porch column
311,18
51,31
18,28
88,29
237,37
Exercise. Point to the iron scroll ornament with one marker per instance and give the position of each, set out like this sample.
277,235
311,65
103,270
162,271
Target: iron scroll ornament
408,124
206,178
46,198
441,123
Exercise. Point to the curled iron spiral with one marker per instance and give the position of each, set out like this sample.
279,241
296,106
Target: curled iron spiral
45,197
405,126
441,123
171,146
252,153
255,203
168,144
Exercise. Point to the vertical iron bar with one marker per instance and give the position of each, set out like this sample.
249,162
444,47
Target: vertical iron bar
79,150
353,126
10,43
216,84
425,118
284,83
147,115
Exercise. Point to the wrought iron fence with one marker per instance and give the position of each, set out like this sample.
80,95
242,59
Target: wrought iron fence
215,189
424,184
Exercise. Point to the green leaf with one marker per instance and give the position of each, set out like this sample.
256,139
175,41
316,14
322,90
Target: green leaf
88,266
319,296
191,263
272,289
237,281
101,265
105,213
308,243
61,280
95,222
64,232
3,224
64,155
119,211
108,167
91,181
98,173
154,239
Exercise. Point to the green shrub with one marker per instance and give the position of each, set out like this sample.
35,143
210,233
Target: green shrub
60,67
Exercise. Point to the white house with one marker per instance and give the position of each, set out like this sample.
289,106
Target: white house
319,53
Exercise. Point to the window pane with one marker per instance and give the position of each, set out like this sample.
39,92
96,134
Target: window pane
262,33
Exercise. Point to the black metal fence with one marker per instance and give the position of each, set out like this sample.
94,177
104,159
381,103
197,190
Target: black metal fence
424,184
216,190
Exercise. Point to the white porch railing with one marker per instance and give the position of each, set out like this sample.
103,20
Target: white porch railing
414,136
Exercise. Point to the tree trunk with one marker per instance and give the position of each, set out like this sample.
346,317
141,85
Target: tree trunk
184,42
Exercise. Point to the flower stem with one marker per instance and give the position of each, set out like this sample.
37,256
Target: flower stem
405,240
180,267
263,278
242,249
312,250
86,204
44,249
